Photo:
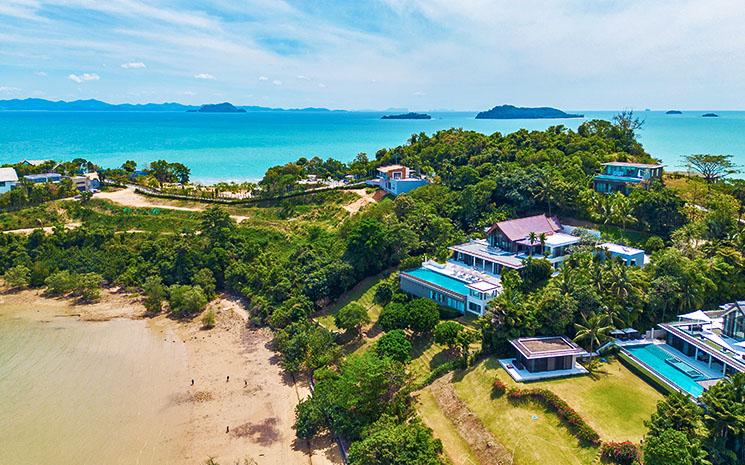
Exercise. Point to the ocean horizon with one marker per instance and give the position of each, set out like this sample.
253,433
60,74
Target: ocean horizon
241,146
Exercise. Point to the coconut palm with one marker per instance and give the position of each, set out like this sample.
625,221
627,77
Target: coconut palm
594,329
532,238
542,239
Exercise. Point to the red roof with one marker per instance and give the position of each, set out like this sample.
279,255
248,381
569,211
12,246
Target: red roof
520,228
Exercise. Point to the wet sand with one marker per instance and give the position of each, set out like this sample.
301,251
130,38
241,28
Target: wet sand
97,384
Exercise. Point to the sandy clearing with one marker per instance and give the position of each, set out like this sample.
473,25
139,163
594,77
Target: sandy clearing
482,443
365,199
46,229
257,403
128,197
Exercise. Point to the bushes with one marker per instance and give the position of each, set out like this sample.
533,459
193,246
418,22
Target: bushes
209,319
87,286
18,277
556,404
620,453
186,300
498,387
419,315
395,345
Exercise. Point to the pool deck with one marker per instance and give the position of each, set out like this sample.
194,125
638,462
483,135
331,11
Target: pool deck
524,376
698,365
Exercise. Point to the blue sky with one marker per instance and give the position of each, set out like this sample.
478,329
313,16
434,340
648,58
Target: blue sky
354,54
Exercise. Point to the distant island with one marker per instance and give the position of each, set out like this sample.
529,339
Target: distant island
224,107
38,104
673,112
512,112
710,115
408,116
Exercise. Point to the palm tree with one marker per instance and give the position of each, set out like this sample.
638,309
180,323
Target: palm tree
595,329
542,239
548,189
532,237
622,211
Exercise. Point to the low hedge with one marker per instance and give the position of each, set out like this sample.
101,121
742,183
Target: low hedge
621,453
556,404
499,387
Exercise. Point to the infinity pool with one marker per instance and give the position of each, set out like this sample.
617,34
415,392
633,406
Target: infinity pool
439,279
668,367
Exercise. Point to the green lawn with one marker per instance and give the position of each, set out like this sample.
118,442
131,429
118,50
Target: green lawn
614,401
363,294
536,435
456,448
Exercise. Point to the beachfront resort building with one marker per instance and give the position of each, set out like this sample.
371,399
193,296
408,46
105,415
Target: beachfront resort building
397,179
695,352
544,357
472,276
86,182
620,176
8,179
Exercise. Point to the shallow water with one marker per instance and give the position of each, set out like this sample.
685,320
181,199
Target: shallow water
76,392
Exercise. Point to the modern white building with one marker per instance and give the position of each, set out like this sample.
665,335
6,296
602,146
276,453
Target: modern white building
8,179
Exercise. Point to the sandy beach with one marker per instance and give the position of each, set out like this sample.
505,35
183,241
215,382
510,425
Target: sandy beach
246,417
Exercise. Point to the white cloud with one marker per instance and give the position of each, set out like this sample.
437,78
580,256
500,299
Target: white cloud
321,85
206,76
303,78
263,78
277,82
8,89
189,93
80,78
419,93
41,74
134,65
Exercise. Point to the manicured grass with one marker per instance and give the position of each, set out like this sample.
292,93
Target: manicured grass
427,355
455,447
536,435
362,294
613,400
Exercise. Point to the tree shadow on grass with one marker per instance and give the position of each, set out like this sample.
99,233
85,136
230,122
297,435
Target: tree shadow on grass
419,345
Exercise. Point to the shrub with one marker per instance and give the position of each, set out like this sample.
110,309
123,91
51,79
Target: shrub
18,277
186,300
383,293
395,345
208,319
87,286
498,387
653,244
394,316
621,453
411,262
446,333
351,316
205,279
59,283
447,313
423,315
155,294
556,404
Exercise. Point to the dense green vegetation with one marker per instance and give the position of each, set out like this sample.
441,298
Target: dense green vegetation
297,256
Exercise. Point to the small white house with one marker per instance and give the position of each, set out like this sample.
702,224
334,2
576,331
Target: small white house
8,179
629,255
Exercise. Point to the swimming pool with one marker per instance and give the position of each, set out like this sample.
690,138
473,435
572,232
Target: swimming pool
670,368
438,279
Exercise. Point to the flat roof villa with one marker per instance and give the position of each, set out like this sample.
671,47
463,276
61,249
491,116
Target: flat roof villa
629,255
544,357
397,179
450,285
695,352
619,176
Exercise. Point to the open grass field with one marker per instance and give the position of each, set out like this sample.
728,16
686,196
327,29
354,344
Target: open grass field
534,435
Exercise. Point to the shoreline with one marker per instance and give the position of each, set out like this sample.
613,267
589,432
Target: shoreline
256,404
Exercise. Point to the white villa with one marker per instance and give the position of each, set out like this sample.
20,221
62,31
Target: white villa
8,179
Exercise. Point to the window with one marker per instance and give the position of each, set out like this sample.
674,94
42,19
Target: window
473,307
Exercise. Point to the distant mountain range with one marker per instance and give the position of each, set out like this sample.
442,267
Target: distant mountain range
37,104
513,112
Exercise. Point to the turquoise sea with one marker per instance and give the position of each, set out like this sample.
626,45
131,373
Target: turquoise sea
242,146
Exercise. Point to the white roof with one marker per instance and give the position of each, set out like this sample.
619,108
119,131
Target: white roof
483,286
35,162
558,239
620,249
698,315
8,175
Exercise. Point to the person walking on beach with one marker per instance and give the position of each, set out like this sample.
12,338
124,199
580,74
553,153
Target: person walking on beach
192,382
227,379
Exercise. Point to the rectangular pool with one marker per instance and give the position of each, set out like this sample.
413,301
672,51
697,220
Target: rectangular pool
438,279
672,369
